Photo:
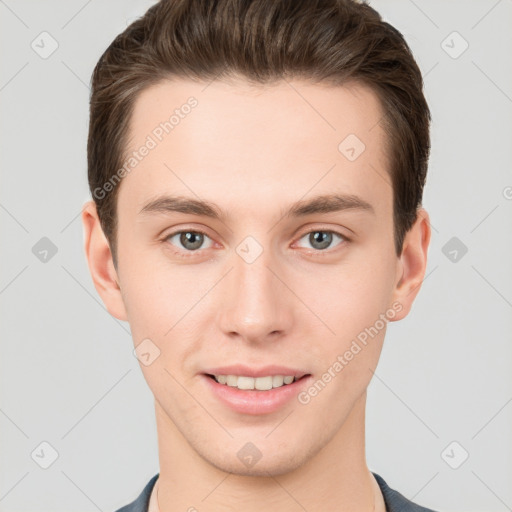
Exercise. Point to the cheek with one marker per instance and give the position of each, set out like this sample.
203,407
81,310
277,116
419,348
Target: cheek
357,313
152,295
353,304
349,298
165,305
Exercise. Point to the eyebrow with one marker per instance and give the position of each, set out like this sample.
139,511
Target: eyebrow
320,204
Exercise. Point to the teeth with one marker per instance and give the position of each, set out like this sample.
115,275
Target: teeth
259,383
263,383
277,381
245,383
231,380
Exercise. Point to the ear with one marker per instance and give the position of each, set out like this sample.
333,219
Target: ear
412,263
101,265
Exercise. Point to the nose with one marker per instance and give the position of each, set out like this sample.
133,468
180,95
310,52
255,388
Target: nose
256,304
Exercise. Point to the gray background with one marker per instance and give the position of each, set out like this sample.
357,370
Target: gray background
68,375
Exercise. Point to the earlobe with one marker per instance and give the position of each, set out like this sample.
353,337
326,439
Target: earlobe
412,263
101,265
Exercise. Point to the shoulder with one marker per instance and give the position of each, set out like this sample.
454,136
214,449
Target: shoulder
142,502
396,502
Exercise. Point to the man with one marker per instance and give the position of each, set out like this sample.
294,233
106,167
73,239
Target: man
257,170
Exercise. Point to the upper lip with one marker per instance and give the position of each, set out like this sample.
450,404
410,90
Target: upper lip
264,371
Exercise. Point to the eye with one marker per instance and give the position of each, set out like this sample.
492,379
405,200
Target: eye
190,240
320,239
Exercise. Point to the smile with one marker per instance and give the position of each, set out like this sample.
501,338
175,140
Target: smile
255,395
256,383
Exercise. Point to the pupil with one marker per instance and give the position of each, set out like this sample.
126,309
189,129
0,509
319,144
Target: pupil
318,236
187,240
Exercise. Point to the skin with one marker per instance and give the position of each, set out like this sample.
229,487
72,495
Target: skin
254,151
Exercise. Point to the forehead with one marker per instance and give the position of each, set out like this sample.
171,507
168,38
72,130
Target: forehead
235,141
333,111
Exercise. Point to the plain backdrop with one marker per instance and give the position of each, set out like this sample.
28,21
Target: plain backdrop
439,414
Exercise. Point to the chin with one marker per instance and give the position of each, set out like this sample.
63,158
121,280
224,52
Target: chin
276,466
271,460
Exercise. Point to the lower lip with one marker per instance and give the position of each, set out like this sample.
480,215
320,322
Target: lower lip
253,401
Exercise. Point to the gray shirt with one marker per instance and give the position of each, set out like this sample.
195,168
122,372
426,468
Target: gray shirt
395,502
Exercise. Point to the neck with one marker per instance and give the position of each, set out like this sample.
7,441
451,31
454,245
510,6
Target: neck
335,478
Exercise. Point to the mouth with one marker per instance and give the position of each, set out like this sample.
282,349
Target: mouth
255,395
264,383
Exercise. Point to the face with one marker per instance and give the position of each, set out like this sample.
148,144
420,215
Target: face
266,279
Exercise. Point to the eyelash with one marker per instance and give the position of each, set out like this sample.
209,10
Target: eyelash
317,252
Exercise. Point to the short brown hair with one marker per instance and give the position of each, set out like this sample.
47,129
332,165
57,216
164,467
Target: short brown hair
330,41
